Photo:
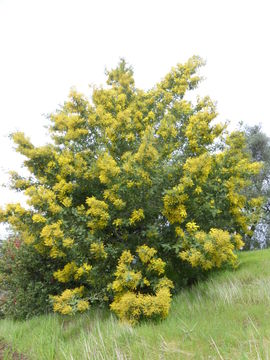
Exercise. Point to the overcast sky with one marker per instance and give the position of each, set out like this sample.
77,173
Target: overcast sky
47,46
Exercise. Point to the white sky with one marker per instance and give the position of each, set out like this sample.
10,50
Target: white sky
47,46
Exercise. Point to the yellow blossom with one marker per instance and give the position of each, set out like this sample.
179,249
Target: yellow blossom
136,216
82,305
98,212
146,253
68,242
37,218
191,227
118,222
98,251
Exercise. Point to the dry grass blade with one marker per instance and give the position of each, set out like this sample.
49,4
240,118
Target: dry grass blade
215,345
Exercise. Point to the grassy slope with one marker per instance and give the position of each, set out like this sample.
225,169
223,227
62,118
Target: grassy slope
227,317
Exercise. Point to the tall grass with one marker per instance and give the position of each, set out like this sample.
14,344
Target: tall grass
225,317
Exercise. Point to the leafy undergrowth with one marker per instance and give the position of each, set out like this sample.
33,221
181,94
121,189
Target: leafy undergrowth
226,317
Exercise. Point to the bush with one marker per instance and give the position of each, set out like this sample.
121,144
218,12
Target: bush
26,279
140,288
130,170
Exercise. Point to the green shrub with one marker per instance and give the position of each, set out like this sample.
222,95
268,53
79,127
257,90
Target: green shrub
26,279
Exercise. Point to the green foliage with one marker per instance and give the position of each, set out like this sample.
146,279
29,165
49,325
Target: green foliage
258,145
26,279
128,169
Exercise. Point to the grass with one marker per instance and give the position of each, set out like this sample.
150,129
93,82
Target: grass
225,317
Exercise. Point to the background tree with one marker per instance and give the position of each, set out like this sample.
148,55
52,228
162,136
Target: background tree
258,144
137,189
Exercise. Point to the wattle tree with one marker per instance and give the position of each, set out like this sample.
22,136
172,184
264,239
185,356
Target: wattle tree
137,192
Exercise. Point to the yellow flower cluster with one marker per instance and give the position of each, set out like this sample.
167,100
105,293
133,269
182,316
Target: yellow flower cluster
65,161
192,227
72,271
55,252
98,251
118,222
67,242
52,233
167,128
62,188
18,182
25,147
67,273
131,305
27,237
179,232
198,131
157,265
82,305
69,302
126,278
146,253
110,194
14,214
107,168
147,153
238,242
136,216
212,250
37,218
198,168
72,124
82,270
174,209
254,202
98,210
43,197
